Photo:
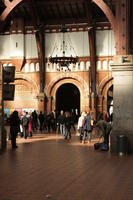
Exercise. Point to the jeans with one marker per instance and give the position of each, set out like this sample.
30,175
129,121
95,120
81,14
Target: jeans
85,135
67,133
62,130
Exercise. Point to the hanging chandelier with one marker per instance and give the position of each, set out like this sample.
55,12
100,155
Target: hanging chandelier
63,62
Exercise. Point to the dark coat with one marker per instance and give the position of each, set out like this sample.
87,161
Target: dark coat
87,123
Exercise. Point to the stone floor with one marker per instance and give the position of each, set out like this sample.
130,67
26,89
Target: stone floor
48,167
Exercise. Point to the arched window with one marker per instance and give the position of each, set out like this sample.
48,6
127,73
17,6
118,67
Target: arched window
82,65
105,66
37,67
110,62
32,67
4,65
87,65
47,66
98,65
10,64
27,67
71,66
77,66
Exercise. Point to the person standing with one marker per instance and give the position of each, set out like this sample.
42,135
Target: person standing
67,125
87,127
80,125
61,121
41,120
25,122
14,128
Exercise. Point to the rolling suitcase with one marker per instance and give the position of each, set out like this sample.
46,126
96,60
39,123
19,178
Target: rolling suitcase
97,145
104,147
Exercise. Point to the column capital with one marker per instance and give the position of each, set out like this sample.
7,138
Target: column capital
122,63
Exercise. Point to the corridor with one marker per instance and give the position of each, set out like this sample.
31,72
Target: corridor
48,167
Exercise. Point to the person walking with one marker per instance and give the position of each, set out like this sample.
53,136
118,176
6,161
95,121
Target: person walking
14,128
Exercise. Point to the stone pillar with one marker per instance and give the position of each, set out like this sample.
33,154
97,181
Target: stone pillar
123,100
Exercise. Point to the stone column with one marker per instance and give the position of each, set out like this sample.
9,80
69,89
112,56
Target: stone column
123,100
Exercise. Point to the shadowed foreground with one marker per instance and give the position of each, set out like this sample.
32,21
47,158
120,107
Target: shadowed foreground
48,167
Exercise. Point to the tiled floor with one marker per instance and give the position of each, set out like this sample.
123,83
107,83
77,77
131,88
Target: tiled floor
47,167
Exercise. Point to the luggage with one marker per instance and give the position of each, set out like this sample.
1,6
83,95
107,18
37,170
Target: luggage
104,147
97,145
101,146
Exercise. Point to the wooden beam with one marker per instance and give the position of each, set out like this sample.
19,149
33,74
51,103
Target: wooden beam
40,42
71,9
9,8
7,3
52,10
92,48
65,10
77,6
58,9
65,21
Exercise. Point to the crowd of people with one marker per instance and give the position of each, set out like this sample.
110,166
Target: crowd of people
62,123
28,123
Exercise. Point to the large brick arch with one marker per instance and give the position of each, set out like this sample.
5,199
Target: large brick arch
106,80
104,86
59,80
65,77
27,81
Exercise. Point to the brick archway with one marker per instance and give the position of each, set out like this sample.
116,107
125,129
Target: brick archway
103,83
104,87
25,94
29,81
66,78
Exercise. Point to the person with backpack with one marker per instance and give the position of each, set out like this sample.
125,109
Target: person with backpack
105,128
87,128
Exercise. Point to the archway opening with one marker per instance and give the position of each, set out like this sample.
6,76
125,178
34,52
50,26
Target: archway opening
68,98
110,102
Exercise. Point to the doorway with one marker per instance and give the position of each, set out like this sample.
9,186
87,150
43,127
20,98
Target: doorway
110,102
68,98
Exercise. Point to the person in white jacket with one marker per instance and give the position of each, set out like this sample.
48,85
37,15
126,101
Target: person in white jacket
81,124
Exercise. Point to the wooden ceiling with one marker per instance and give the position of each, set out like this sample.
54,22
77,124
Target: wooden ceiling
58,12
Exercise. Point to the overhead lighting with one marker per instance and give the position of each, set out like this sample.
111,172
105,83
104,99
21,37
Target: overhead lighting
63,62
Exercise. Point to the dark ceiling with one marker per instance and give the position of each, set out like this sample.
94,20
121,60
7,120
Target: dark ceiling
58,12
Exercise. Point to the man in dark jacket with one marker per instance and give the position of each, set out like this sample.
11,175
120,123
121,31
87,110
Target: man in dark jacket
41,120
14,127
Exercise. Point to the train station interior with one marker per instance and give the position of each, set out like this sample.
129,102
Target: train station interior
76,57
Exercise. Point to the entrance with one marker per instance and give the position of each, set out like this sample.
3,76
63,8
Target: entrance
68,98
110,102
